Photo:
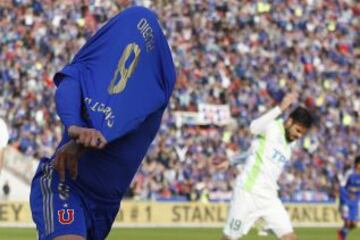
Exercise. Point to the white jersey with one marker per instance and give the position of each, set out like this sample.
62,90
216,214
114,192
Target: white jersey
269,152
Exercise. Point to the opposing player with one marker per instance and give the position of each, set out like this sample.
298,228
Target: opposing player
350,200
111,99
255,193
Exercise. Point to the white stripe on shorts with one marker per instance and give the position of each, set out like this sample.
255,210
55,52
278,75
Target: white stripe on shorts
48,212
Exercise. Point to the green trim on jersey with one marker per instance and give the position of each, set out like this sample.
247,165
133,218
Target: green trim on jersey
255,170
281,126
280,123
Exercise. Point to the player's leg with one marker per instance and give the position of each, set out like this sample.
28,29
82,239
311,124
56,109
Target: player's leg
343,232
224,237
262,228
278,220
56,209
242,215
349,213
289,236
103,216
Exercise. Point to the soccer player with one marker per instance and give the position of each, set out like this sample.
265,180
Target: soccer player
111,99
350,200
255,193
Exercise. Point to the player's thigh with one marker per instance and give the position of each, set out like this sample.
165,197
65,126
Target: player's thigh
350,213
344,211
241,216
104,216
355,212
278,219
70,237
56,208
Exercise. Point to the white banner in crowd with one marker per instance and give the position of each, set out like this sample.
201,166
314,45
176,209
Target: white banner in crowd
215,114
207,114
191,118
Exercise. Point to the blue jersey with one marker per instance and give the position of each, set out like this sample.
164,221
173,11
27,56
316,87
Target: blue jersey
124,76
350,196
350,192
353,186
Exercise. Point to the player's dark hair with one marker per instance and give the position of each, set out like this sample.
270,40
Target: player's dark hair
302,116
357,160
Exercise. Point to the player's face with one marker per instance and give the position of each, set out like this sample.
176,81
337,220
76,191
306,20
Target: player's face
293,130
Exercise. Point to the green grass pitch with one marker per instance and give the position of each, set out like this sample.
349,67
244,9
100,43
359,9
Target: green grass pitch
181,234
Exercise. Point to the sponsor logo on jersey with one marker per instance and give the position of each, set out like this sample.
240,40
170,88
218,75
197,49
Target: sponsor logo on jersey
278,156
147,33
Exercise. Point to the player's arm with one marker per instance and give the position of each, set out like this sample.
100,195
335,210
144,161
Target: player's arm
68,102
69,108
68,99
260,124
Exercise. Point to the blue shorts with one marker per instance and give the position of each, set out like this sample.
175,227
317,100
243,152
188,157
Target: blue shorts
61,209
350,212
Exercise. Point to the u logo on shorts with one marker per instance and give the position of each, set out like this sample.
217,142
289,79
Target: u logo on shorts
70,216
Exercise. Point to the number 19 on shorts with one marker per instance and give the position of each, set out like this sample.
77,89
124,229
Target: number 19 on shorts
235,224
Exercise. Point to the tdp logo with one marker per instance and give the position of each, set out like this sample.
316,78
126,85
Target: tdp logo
69,216
278,156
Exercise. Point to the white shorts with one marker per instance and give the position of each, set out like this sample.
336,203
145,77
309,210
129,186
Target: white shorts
246,208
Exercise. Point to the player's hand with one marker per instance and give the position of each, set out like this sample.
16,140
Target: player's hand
289,99
66,158
88,137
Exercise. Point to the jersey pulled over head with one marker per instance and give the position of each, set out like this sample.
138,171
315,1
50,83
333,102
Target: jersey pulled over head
128,52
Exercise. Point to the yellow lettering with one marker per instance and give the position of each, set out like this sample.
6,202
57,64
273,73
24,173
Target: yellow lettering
125,73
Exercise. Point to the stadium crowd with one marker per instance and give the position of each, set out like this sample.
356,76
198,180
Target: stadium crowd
246,54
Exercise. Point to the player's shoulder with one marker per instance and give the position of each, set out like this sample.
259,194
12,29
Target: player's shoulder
276,126
274,130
